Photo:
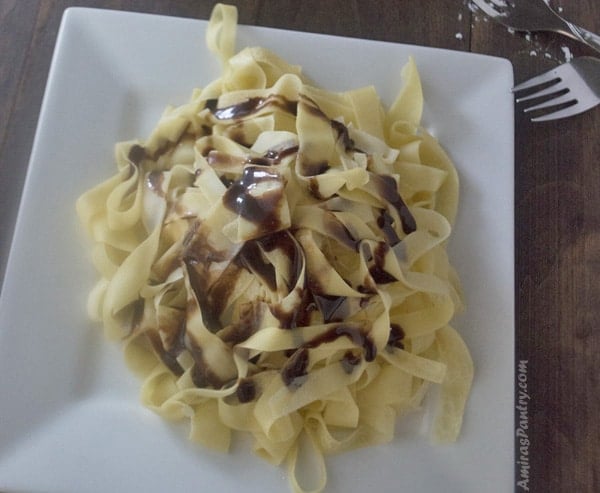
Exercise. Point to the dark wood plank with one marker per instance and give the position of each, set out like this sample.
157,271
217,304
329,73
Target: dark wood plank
557,269
388,20
16,26
17,23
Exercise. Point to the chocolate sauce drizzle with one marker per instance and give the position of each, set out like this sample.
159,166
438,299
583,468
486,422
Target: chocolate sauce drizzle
356,333
264,211
388,189
137,153
297,364
246,391
295,368
377,270
396,336
250,106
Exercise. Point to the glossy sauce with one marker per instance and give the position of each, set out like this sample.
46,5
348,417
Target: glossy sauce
350,361
168,357
309,169
263,210
138,153
154,181
253,260
197,257
202,375
355,333
220,160
388,189
295,368
301,316
386,223
396,336
284,241
250,106
246,391
377,271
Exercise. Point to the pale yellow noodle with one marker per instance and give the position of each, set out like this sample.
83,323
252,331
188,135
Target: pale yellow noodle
185,272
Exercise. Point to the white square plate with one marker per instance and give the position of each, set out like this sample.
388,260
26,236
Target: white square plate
70,420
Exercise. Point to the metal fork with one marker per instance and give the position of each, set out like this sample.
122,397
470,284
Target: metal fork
535,15
576,84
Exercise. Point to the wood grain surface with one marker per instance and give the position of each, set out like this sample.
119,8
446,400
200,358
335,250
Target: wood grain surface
557,191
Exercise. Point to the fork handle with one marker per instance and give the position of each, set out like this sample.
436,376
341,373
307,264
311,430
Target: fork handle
583,35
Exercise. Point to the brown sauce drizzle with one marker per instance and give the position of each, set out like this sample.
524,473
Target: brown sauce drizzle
378,273
218,159
283,240
295,368
355,333
388,189
218,295
137,315
263,210
342,131
396,336
252,259
202,375
210,314
248,323
250,106
197,257
386,223
246,391
309,169
313,188
297,364
272,157
275,157
211,104
168,357
259,161
138,153
349,361
300,316
226,181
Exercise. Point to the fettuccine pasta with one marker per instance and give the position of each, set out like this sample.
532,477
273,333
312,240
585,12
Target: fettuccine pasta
274,257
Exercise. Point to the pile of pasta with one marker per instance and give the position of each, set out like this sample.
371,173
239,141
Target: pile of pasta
274,257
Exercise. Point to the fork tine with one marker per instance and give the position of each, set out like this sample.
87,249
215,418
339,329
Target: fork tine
487,8
575,109
564,113
558,87
565,98
537,80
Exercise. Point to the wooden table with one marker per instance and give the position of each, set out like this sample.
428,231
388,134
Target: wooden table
557,191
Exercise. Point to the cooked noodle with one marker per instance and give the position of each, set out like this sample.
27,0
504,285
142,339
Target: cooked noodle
274,255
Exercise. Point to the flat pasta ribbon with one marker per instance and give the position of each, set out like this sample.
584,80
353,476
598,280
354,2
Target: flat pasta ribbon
274,258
